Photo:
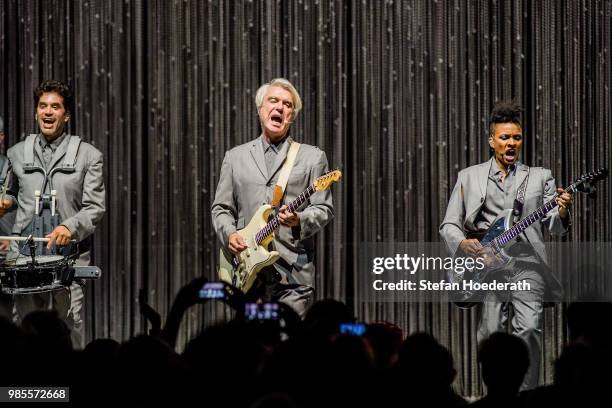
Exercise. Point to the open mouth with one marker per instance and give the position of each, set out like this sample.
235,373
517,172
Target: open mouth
510,155
278,119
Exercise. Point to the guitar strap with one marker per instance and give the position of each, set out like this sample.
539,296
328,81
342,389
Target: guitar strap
519,201
281,183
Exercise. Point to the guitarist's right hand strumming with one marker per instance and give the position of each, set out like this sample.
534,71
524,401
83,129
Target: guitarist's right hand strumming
470,247
236,243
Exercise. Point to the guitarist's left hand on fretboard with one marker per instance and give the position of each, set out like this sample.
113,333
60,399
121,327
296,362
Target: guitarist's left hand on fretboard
565,199
288,219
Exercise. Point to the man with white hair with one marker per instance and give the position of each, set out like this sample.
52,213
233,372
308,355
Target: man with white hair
249,174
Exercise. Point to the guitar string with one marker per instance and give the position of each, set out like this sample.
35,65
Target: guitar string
274,223
294,205
539,213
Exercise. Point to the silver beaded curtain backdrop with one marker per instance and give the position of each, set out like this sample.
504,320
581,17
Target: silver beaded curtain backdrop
397,93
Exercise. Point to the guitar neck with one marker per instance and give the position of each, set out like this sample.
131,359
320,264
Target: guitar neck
274,223
531,219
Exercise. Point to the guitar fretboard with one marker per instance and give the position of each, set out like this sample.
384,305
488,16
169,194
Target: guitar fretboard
526,222
274,223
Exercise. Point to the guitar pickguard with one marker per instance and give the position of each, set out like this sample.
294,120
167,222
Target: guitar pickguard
241,271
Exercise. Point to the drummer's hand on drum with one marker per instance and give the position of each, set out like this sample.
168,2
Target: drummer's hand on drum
5,205
236,243
5,245
59,236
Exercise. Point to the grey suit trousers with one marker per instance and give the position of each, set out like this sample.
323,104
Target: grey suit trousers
526,321
67,301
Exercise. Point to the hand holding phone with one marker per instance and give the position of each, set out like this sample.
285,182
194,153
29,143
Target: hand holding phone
261,311
213,290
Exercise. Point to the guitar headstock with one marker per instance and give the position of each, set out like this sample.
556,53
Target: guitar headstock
322,183
585,183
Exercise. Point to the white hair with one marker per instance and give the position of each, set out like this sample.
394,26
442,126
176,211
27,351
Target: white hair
285,84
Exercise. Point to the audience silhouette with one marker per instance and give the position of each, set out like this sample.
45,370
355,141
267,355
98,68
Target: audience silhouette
270,361
504,360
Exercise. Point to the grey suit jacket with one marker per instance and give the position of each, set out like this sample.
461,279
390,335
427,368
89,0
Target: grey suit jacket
6,222
469,195
80,194
245,185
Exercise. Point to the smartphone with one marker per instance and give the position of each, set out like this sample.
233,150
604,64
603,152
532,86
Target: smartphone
212,290
261,311
356,329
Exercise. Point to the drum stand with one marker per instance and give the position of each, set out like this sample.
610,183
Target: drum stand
41,274
32,244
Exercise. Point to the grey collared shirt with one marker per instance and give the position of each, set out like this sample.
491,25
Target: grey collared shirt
271,152
49,148
500,196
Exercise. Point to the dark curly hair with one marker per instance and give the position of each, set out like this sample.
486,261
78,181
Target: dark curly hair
505,112
58,87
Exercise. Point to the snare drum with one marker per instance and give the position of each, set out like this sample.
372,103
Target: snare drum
47,273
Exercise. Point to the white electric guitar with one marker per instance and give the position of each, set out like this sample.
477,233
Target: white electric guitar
241,270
